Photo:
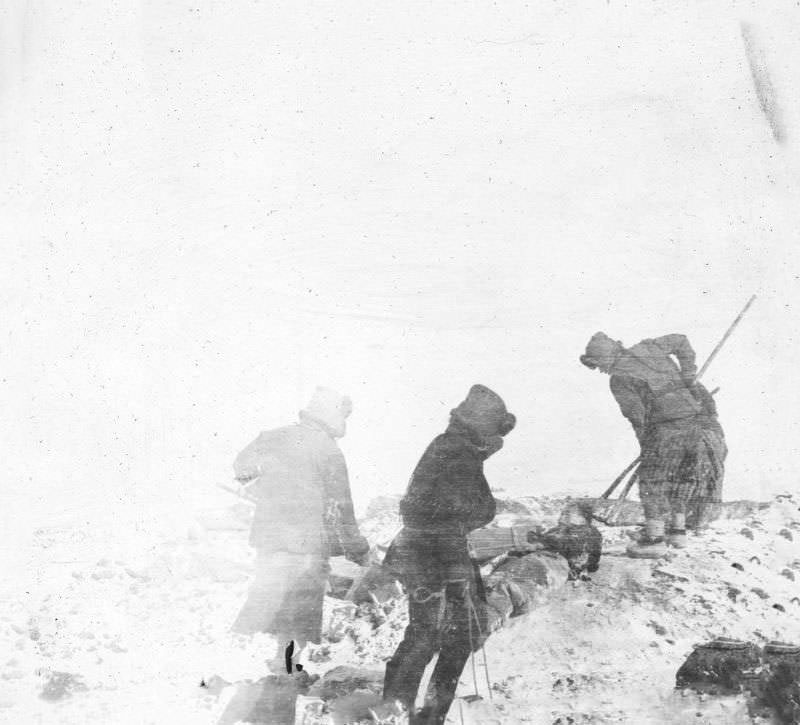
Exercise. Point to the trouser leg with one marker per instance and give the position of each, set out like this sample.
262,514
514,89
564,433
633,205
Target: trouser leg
460,637
681,488
653,483
653,494
686,478
421,641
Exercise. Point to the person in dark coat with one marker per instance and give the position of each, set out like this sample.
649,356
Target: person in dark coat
674,419
447,498
304,514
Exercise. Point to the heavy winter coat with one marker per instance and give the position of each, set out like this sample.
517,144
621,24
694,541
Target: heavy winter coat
304,503
448,497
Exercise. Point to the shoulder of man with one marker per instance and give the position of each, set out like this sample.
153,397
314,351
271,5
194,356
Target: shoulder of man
649,346
440,451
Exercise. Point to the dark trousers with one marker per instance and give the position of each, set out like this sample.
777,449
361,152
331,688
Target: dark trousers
439,623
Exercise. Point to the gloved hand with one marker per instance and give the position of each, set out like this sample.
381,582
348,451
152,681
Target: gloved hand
358,551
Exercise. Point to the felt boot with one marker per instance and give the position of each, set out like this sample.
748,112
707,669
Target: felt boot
677,533
651,545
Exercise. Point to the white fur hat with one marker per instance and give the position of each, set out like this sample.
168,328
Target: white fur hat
329,408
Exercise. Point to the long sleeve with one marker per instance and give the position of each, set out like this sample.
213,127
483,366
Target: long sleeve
630,401
257,459
679,346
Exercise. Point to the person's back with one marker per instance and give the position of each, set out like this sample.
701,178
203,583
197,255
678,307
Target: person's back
662,385
291,465
304,514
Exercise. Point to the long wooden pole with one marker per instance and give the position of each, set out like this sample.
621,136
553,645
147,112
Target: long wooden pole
702,370
629,485
619,478
725,337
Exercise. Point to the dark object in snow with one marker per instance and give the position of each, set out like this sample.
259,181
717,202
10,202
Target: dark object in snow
61,685
771,677
738,566
581,545
788,573
759,592
747,533
781,681
520,583
722,665
786,534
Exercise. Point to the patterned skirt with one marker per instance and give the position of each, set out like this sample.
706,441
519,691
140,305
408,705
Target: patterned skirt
683,464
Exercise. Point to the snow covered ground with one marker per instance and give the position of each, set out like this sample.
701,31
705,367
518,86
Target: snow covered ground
139,630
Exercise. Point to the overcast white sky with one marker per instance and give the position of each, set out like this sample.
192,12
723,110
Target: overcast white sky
209,207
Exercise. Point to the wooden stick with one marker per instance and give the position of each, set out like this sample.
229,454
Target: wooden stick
725,337
241,493
629,485
619,478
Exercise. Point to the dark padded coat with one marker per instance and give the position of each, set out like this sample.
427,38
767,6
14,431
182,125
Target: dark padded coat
448,497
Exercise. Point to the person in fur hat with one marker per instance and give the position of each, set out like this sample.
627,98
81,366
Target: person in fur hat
675,421
448,496
304,514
